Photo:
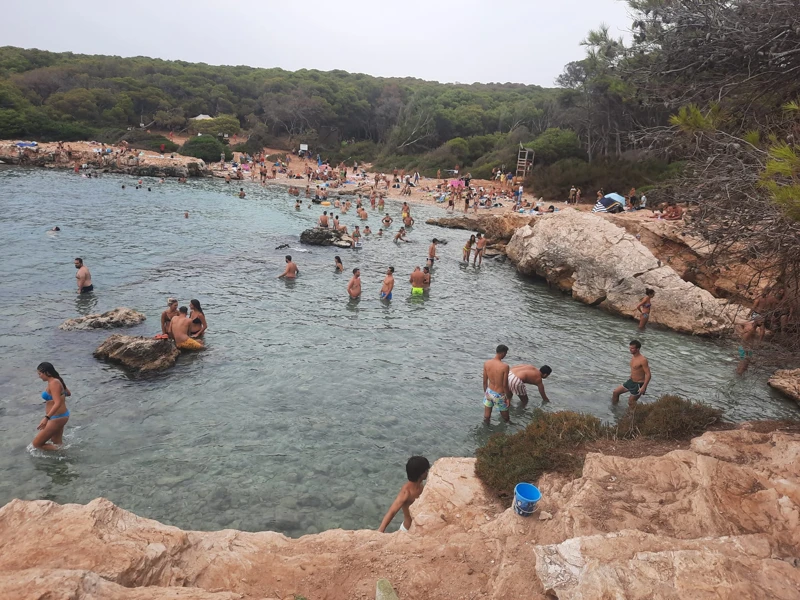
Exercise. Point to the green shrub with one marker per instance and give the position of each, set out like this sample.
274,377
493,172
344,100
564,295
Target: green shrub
556,144
206,147
149,141
669,418
223,124
554,442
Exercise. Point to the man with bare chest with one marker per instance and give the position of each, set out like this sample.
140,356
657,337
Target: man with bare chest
640,376
83,276
495,385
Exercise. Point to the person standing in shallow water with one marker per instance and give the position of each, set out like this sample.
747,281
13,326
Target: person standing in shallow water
84,277
417,469
354,285
495,385
388,284
51,427
644,307
640,376
291,271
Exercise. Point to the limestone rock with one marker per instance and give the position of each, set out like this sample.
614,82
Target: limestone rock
140,354
385,591
603,265
788,382
498,228
119,317
319,236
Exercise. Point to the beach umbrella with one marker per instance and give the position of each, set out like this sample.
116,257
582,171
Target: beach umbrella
617,197
608,204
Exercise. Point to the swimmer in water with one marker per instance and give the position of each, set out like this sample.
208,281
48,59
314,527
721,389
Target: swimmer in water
84,277
56,228
241,193
298,205
291,271
186,215
354,285
417,469
367,230
380,232
51,427
401,235
388,284
338,264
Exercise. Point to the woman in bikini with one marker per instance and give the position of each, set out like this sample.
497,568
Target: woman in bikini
199,325
51,427
644,307
468,248
166,316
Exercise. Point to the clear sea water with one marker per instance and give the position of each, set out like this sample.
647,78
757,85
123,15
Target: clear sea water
301,414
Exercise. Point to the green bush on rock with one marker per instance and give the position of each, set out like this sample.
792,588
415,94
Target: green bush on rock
552,442
207,148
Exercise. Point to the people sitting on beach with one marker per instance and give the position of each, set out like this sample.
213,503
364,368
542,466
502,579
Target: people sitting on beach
179,327
168,315
198,326
417,469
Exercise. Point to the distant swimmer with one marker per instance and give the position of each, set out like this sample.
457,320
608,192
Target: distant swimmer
387,221
241,193
168,315
180,331
644,307
417,469
367,230
354,285
468,248
186,215
380,232
56,228
291,271
417,281
56,413
480,248
281,247
519,375
432,252
338,264
388,284
636,386
84,277
323,220
401,235
495,385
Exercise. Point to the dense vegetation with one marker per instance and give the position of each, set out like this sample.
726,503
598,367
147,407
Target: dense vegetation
557,442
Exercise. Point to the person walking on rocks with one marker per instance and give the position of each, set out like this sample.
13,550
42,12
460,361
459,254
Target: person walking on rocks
417,469
495,385
636,386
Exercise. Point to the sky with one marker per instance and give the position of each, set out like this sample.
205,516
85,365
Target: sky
466,41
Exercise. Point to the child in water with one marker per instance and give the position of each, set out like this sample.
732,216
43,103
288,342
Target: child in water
417,469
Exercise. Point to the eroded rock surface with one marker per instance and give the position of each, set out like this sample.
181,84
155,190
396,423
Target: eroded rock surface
119,317
788,382
140,354
498,228
318,236
719,520
601,264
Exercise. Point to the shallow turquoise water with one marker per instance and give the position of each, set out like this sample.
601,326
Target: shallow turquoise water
302,412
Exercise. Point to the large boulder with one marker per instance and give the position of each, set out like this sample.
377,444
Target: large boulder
601,264
319,236
119,317
788,382
140,354
498,228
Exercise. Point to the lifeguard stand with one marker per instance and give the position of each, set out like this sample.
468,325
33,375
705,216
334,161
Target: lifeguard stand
524,162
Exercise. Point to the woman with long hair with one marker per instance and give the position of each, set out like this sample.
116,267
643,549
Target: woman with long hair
51,427
199,325
468,248
167,315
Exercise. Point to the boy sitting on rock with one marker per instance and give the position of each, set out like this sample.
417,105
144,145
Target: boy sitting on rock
417,470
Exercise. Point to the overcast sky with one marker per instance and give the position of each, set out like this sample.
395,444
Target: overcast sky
525,41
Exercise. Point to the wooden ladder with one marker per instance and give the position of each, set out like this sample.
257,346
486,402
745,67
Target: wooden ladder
524,162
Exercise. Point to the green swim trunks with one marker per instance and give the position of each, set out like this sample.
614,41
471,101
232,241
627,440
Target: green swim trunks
633,387
416,291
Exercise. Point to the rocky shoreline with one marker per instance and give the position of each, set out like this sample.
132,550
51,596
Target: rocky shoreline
717,519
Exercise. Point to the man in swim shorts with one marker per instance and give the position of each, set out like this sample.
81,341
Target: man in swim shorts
388,284
323,220
495,385
519,375
417,469
179,326
480,248
417,280
432,252
640,376
83,276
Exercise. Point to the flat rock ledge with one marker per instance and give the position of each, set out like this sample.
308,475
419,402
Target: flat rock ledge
718,520
119,317
319,236
140,354
787,381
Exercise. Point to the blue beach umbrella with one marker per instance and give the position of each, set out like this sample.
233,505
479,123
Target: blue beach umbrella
617,197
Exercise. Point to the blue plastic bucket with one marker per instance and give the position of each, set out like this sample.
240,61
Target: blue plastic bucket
525,498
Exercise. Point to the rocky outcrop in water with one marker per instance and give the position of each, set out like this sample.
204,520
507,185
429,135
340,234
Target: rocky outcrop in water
119,317
601,264
139,354
498,228
319,236
718,520
787,381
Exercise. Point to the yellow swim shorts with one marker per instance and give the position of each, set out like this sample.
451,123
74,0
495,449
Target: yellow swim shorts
190,344
416,291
